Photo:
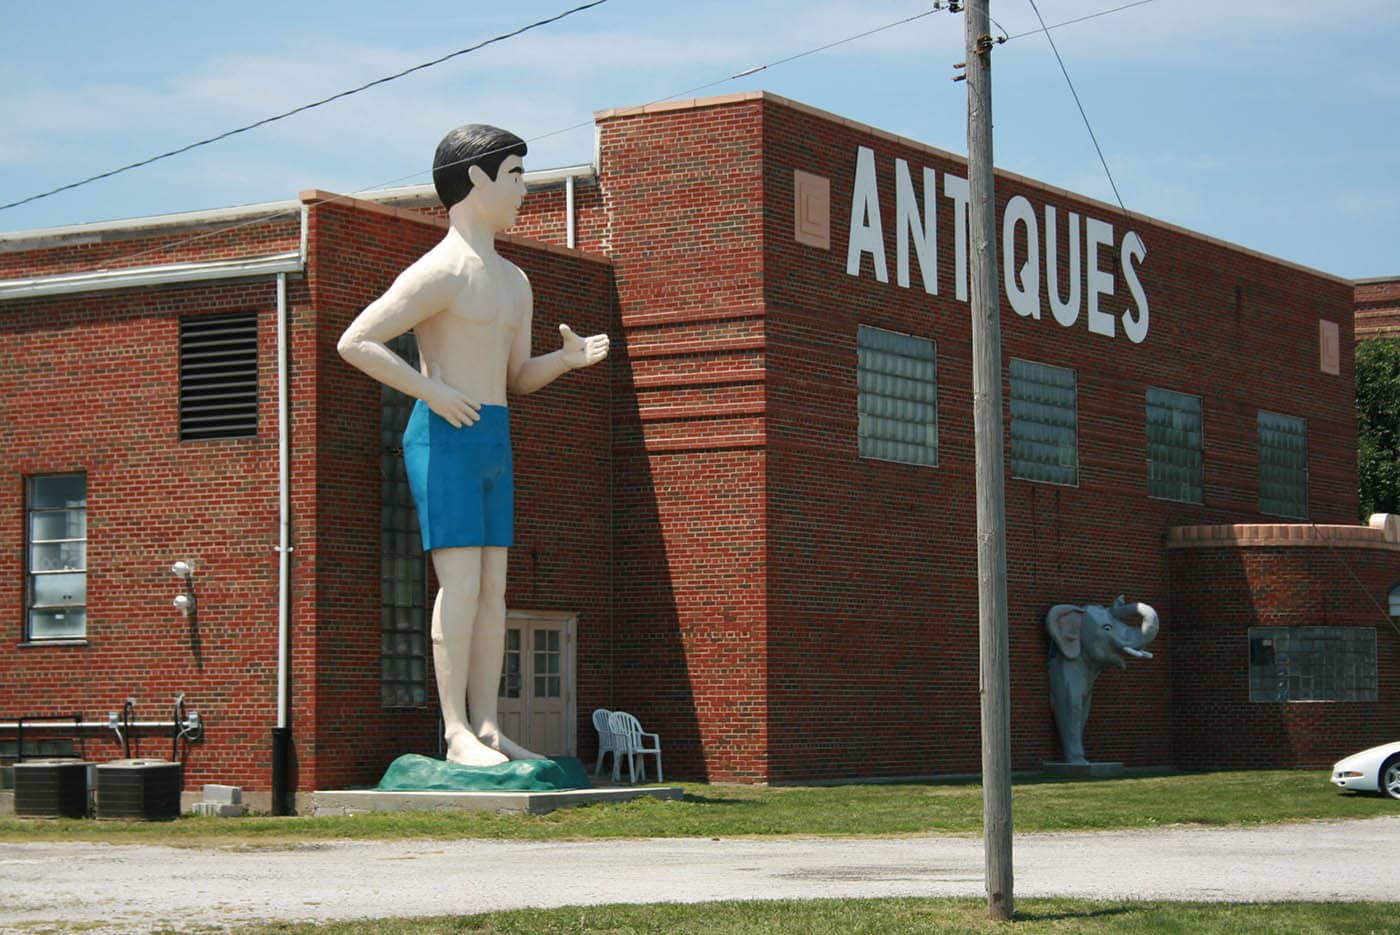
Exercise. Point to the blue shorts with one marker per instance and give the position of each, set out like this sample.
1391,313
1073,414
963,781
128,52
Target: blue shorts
461,478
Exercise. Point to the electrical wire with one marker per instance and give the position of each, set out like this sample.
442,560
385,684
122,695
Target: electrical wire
1341,559
820,48
305,107
274,215
260,219
1079,19
1102,161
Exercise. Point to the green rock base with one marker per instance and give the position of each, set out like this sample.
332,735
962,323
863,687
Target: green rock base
414,773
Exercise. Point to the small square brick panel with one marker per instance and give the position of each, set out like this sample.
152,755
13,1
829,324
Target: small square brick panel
811,209
1329,347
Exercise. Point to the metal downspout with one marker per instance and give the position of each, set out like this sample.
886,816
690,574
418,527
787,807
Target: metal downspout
283,802
569,212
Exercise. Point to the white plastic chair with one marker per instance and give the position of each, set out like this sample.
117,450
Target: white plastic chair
605,738
630,741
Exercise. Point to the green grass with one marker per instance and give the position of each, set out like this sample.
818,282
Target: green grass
731,810
892,916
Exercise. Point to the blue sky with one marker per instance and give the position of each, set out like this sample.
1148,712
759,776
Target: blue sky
1274,124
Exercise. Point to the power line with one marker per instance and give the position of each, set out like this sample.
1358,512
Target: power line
378,185
272,215
1102,161
305,107
820,48
1079,19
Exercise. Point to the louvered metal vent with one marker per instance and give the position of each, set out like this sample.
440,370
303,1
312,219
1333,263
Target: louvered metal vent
219,376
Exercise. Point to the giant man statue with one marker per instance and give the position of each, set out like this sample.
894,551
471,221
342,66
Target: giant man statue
470,310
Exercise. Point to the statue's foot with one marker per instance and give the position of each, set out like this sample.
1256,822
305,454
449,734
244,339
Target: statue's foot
495,740
467,749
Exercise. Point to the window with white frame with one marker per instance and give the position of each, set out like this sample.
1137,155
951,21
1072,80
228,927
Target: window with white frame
897,379
548,657
1395,601
1283,465
56,533
1175,447
1312,664
1044,423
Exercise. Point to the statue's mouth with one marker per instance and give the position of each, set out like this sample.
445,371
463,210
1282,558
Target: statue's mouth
1137,653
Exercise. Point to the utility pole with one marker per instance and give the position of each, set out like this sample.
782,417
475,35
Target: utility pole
994,670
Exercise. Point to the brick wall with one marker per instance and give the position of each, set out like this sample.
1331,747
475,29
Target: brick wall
683,191
1378,309
779,608
873,610
1217,594
90,384
94,387
544,216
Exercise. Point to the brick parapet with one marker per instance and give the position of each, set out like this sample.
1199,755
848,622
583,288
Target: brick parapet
93,248
1282,535
1377,309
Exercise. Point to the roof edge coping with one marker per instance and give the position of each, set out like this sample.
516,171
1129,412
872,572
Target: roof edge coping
779,100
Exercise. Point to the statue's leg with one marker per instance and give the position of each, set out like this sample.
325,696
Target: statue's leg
454,619
488,650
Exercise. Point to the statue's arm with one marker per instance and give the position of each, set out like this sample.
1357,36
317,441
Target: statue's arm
419,292
525,374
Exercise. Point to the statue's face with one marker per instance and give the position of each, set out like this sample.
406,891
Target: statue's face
499,199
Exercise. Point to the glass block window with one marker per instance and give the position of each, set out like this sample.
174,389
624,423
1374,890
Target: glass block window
548,683
896,376
56,580
510,665
1283,465
1175,446
1044,423
402,585
1312,664
219,376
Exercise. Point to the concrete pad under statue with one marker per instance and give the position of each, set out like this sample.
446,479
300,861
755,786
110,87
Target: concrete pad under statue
417,783
1083,770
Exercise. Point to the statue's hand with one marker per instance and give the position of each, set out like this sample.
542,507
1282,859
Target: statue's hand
452,404
582,352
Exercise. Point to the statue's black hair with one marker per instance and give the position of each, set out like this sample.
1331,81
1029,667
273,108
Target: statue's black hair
475,144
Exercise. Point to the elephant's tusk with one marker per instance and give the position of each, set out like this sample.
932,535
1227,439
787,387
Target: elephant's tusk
1137,653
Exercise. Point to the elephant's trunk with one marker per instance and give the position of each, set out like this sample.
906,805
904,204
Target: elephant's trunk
1148,631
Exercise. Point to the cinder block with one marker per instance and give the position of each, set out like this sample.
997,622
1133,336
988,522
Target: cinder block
219,809
223,795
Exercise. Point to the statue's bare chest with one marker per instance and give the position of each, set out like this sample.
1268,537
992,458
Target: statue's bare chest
487,296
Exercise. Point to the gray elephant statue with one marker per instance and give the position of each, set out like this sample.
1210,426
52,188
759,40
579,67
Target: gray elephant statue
1086,641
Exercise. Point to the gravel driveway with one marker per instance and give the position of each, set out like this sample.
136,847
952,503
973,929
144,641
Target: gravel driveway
132,888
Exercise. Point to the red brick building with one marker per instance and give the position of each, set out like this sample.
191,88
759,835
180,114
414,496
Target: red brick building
754,528
1378,308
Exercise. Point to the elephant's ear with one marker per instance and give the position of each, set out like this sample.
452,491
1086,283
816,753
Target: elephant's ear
1063,624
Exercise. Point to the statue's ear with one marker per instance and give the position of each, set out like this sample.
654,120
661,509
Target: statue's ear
1063,624
478,175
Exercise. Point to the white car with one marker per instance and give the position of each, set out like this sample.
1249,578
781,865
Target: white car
1373,770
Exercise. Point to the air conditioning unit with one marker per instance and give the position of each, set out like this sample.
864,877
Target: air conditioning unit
144,790
51,788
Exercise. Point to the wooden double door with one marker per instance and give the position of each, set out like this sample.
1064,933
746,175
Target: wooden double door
537,703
